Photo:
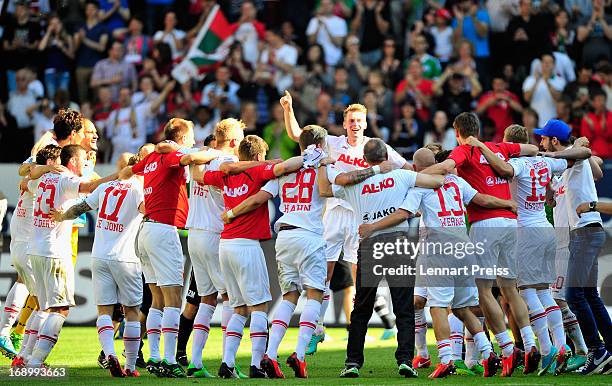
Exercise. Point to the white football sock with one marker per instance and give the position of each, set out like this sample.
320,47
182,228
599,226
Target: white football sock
38,319
445,352
324,305
154,326
572,329
537,317
553,317
280,322
170,329
106,334
201,327
234,331
308,323
15,300
505,343
456,336
131,342
47,338
226,313
420,333
259,336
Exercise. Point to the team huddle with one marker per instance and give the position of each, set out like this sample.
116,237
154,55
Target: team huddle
342,195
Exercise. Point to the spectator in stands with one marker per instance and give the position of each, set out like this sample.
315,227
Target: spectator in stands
137,45
329,31
529,34
114,71
159,66
170,35
384,96
580,91
564,67
370,22
472,23
604,76
221,94
22,136
279,58
20,42
597,126
595,34
275,135
90,42
357,71
241,70
452,95
431,64
390,65
7,132
377,126
531,120
340,91
304,94
114,14
465,57
500,13
563,37
250,32
248,115
443,36
203,125
326,116
316,67
417,88
579,9
408,132
156,11
500,105
59,47
564,113
543,89
441,132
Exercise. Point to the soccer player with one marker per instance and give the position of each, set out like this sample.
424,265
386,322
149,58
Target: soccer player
50,252
205,226
586,240
339,220
536,241
116,268
496,229
240,255
373,198
21,233
443,214
159,245
300,252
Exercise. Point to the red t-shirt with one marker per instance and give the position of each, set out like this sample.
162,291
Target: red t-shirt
473,167
500,112
254,225
425,86
598,129
165,192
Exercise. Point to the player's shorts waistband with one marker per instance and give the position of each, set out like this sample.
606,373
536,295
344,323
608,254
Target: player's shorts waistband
151,221
287,227
239,241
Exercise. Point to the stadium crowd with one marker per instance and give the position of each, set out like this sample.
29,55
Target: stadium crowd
414,64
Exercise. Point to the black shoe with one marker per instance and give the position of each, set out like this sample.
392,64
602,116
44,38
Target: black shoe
154,367
254,372
227,372
140,362
181,358
102,362
173,370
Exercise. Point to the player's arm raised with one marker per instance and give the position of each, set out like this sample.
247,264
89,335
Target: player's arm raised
89,186
501,167
246,206
72,212
488,201
429,181
395,218
291,124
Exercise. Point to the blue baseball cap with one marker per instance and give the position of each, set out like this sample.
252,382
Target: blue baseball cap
555,128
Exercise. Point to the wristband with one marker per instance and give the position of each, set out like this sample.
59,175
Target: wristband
376,169
230,214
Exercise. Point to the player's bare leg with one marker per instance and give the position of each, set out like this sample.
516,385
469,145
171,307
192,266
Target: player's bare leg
48,335
494,316
201,327
131,339
106,335
421,360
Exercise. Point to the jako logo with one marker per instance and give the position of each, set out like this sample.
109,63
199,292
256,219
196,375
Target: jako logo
347,159
376,188
236,192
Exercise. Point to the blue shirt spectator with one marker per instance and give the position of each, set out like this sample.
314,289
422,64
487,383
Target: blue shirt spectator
469,19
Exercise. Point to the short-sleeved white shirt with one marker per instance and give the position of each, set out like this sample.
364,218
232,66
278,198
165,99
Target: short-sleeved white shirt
337,28
118,219
349,158
378,196
528,187
49,238
300,202
580,188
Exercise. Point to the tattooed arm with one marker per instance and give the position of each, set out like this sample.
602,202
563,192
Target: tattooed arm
72,212
357,176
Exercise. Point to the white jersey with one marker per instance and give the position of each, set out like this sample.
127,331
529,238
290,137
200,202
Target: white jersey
378,196
118,219
49,238
560,216
580,188
206,202
349,158
21,222
300,202
443,207
528,187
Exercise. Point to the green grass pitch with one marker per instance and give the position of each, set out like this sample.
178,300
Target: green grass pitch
78,349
